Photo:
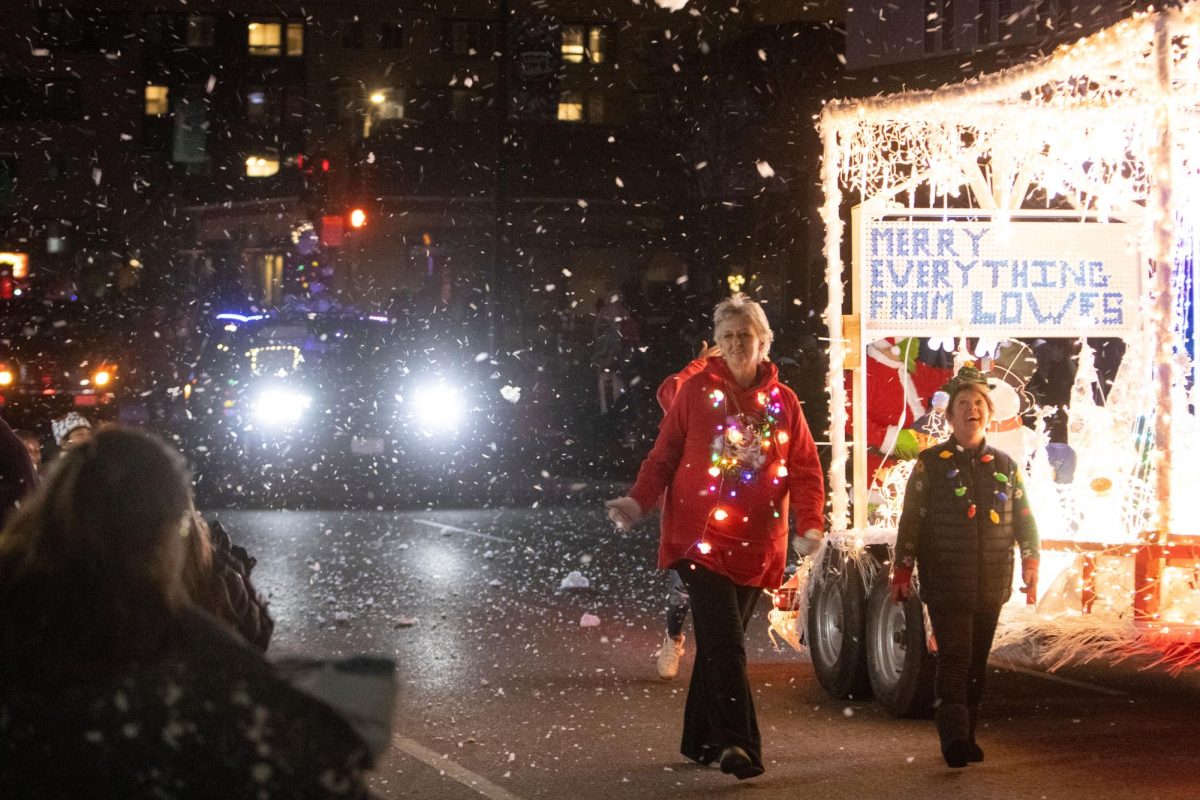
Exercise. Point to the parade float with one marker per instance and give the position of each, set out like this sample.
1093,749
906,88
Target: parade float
1054,203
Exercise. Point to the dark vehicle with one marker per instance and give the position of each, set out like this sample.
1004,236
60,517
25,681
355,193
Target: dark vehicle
54,357
337,407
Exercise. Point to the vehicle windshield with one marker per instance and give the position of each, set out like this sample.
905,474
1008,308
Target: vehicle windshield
281,348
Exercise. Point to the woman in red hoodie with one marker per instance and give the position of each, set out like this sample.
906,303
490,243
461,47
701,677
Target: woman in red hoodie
733,454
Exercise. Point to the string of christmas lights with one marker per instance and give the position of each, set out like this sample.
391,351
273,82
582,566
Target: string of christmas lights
1108,126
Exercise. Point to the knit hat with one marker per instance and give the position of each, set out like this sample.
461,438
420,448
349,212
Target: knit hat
967,376
63,426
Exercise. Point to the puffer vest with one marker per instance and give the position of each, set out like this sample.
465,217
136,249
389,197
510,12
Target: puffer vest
965,558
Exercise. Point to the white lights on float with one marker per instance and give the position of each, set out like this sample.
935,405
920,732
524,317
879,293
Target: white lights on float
1106,126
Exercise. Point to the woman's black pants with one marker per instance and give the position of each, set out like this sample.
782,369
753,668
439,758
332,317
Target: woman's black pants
720,709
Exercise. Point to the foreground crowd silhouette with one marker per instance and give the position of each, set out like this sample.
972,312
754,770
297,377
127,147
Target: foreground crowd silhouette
131,643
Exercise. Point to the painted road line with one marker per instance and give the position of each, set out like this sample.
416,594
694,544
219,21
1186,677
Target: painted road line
447,767
443,527
1094,687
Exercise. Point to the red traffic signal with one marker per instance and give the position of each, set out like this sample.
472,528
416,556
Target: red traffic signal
357,217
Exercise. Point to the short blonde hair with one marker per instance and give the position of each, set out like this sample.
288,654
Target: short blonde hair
739,305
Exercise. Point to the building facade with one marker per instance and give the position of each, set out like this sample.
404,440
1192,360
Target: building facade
526,155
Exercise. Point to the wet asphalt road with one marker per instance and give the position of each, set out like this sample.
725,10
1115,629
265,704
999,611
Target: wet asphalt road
504,695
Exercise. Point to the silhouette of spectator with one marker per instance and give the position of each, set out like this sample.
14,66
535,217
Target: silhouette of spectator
112,683
18,475
33,444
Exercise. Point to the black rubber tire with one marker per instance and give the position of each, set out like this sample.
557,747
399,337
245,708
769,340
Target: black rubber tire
900,666
836,629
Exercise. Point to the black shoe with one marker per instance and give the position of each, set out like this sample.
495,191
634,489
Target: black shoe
737,761
974,753
957,753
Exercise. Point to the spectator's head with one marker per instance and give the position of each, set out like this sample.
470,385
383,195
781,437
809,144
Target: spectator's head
33,443
91,564
740,311
70,429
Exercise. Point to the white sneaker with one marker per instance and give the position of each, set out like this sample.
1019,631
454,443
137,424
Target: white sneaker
668,657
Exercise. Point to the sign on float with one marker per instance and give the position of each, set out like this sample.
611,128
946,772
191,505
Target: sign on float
1022,277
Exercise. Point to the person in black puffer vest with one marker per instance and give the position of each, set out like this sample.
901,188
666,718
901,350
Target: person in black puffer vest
964,508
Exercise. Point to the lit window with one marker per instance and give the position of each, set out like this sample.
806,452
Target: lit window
583,43
570,107
199,32
157,103
578,107
295,38
262,166
595,45
263,38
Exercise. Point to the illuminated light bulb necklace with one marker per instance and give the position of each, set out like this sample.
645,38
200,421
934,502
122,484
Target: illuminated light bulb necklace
999,494
741,448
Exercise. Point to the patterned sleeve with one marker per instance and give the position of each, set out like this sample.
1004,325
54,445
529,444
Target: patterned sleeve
912,517
1024,526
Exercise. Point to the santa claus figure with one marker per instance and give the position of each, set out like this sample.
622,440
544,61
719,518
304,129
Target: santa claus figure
900,386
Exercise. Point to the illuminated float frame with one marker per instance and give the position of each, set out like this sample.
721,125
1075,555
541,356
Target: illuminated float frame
1105,129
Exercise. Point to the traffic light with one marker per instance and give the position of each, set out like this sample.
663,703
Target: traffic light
358,218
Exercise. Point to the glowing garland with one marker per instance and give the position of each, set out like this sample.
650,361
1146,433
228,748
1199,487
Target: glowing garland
741,450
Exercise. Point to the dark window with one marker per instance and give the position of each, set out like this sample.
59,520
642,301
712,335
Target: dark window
933,21
1053,15
1004,20
160,29
79,30
16,98
262,106
1064,14
465,37
8,180
62,99
986,23
200,31
351,31
391,36
467,104
939,25
947,24
30,99
56,169
293,107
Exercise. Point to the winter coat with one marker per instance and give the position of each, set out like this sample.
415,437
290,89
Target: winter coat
17,475
204,716
963,511
735,522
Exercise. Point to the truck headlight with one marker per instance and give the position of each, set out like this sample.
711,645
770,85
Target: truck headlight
278,407
438,407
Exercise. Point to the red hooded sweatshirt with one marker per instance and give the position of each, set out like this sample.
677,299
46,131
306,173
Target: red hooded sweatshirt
757,443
